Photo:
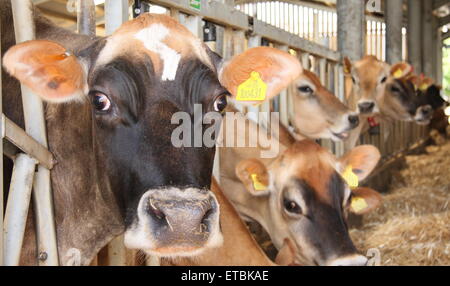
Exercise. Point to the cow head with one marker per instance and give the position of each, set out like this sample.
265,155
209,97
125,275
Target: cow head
399,101
369,77
429,98
318,113
135,81
302,197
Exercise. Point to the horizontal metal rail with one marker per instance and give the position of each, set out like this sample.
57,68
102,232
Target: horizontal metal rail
229,17
26,143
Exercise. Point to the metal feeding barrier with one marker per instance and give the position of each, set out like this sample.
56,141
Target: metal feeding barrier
226,30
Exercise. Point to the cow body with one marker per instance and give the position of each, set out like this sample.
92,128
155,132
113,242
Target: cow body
305,178
110,106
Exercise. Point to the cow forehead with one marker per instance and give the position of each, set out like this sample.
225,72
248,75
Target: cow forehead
309,162
161,38
370,68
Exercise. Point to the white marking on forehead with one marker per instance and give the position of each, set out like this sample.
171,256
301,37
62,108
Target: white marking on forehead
152,38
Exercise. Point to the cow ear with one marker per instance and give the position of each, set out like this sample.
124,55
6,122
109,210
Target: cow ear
254,175
259,74
401,70
348,66
426,83
360,162
364,200
47,69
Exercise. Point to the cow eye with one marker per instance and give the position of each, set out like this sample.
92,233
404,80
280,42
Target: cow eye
305,89
220,103
383,80
100,101
395,89
292,207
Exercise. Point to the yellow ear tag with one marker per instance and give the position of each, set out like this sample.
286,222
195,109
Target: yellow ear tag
350,177
424,87
398,73
257,185
253,89
358,204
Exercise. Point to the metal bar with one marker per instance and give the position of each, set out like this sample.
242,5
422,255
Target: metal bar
17,208
2,132
415,34
27,144
35,126
394,25
86,17
351,28
116,12
222,14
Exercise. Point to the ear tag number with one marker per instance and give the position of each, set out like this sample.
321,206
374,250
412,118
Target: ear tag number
350,177
424,87
253,89
257,185
358,204
398,73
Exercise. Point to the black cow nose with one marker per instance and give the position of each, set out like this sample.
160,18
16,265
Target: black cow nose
354,120
182,218
427,110
366,107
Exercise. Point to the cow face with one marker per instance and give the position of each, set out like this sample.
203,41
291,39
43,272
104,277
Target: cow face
369,77
318,113
135,81
302,197
429,98
399,101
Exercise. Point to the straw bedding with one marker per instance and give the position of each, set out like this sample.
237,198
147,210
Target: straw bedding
412,227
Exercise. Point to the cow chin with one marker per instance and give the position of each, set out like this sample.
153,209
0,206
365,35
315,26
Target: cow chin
175,222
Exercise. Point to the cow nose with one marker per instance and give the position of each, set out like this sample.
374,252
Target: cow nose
354,120
366,107
352,260
174,222
427,110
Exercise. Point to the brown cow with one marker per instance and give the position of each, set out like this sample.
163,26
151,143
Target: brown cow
381,92
301,197
109,107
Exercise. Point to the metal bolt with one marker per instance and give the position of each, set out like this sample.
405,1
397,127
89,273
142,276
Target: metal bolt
137,11
43,256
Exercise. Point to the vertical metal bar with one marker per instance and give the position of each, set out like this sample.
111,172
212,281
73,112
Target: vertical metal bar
17,208
86,17
2,132
35,127
351,28
394,25
116,12
415,34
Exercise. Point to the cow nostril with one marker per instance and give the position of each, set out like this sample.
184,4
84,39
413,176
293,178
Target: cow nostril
155,212
366,107
354,120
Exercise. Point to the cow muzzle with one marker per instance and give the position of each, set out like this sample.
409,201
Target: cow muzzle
424,114
351,260
175,222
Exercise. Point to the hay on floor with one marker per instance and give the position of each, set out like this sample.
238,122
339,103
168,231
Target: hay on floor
413,225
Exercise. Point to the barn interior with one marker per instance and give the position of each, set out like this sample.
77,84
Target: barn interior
412,227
